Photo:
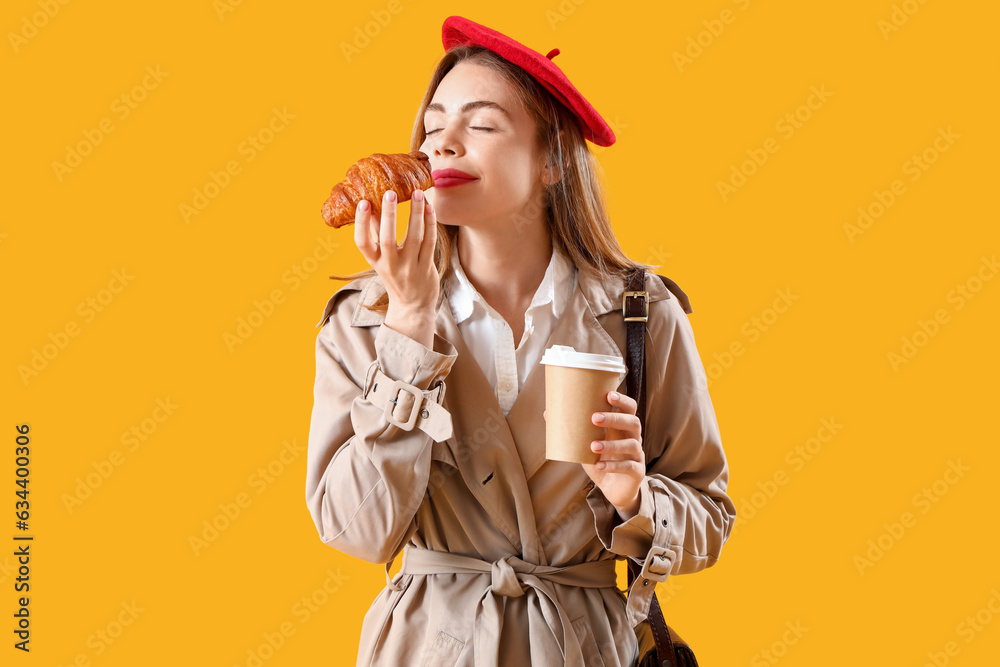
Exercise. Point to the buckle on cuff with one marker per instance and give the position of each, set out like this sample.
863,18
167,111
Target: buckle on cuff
644,295
395,391
656,566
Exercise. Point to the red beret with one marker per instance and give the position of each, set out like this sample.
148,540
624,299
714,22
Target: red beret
458,31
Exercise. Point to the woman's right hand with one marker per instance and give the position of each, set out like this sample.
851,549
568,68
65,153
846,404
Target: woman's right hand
408,270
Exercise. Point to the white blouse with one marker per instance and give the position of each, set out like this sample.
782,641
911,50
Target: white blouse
490,338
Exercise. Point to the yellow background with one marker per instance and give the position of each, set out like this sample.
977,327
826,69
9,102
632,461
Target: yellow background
682,129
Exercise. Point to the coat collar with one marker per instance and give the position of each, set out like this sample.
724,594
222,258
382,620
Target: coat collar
556,287
512,451
603,296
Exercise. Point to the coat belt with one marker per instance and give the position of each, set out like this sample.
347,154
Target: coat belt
548,622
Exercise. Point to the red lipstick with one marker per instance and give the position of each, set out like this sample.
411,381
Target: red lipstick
446,178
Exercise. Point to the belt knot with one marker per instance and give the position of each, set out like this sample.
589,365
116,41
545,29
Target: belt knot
504,578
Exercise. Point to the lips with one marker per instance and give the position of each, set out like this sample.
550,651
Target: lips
445,178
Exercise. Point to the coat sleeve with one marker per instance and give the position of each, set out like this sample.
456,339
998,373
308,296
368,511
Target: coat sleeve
365,477
685,515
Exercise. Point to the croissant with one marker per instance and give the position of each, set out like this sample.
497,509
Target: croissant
370,178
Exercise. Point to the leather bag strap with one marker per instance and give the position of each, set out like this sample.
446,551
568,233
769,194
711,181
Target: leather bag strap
635,309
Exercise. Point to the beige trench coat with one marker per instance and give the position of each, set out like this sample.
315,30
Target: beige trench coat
509,558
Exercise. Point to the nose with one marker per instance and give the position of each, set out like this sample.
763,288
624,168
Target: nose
446,142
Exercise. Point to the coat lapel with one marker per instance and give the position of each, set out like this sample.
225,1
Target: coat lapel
485,446
577,327
496,455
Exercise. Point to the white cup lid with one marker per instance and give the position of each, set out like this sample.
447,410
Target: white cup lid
564,355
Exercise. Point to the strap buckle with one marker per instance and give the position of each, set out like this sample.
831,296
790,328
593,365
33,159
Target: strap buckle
656,565
630,294
398,387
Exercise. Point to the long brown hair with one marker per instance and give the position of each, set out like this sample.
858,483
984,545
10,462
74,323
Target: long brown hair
575,206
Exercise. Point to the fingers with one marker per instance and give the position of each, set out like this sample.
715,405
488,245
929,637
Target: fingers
363,232
629,449
623,402
387,231
634,467
415,229
421,231
622,421
430,233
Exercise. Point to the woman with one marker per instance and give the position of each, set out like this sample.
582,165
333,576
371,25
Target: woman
428,430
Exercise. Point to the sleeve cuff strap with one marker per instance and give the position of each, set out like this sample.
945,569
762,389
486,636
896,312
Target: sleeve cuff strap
402,358
631,538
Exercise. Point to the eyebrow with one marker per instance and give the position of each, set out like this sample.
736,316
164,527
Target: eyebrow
469,106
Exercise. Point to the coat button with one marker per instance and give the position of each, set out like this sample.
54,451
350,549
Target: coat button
664,522
645,582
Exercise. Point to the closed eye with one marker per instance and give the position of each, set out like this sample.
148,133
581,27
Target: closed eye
487,129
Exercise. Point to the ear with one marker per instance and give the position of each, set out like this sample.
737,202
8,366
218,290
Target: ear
551,174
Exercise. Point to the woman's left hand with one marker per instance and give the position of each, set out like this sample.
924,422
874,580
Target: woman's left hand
622,467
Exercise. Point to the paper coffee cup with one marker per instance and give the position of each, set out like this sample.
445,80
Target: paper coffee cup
576,386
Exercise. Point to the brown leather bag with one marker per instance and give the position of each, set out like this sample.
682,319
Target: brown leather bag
659,644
